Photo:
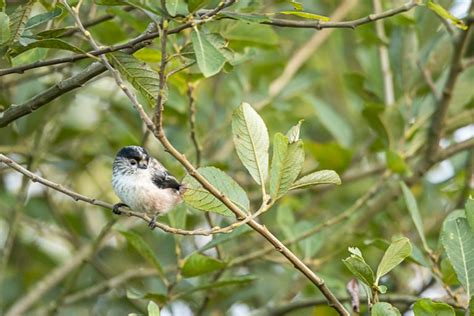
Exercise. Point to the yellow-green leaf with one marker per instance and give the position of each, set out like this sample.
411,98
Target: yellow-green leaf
199,198
458,241
4,28
397,251
197,264
442,12
315,178
287,163
209,58
307,15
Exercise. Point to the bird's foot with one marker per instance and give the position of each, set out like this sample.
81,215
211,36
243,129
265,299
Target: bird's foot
116,208
152,223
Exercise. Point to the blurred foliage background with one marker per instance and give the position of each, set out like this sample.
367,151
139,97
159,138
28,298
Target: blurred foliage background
71,258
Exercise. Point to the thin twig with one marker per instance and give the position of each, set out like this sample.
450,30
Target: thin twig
389,92
207,17
332,221
17,111
160,135
192,123
160,99
79,197
437,124
394,298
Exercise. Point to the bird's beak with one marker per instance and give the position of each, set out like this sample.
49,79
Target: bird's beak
142,164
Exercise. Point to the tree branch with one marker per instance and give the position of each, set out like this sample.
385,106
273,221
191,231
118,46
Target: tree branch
79,197
394,298
192,124
367,199
261,229
207,17
437,124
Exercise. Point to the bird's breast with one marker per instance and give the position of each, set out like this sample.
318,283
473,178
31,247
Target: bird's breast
142,195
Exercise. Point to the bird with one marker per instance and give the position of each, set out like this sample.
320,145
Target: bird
143,184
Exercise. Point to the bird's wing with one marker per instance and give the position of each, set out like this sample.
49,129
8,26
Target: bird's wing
164,180
161,177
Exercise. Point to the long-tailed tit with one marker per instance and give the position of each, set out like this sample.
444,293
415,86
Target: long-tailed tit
143,184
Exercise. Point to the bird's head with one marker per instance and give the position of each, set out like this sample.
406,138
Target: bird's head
131,159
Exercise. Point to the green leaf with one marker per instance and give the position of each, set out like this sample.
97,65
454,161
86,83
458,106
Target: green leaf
317,177
177,218
143,249
199,198
251,141
47,43
330,155
332,120
172,6
4,28
249,18
449,276
194,5
307,15
153,309
442,12
138,73
372,114
360,269
470,212
18,20
135,294
296,5
197,264
414,212
458,242
148,55
426,307
209,58
395,162
397,251
43,18
381,289
294,132
287,163
384,309
416,254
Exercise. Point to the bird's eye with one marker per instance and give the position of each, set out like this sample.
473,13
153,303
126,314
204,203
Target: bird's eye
133,162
